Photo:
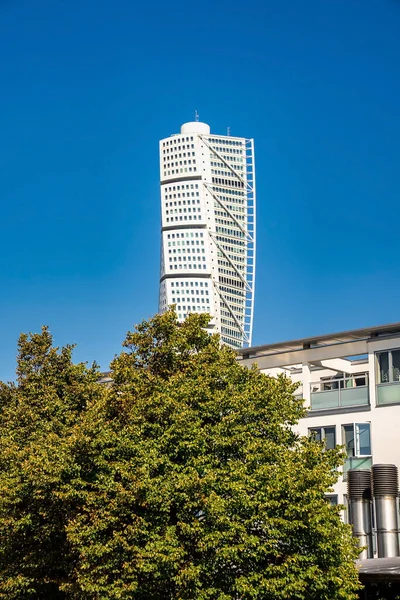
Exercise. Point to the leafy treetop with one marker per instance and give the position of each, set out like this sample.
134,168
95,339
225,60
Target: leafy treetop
185,479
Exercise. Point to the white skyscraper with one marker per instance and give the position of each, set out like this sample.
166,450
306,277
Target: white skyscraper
208,245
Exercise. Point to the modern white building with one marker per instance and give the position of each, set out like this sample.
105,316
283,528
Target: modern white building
208,244
350,383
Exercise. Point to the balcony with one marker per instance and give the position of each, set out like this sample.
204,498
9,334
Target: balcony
388,386
388,393
351,391
356,462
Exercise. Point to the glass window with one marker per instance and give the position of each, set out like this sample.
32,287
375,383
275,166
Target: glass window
383,361
348,440
363,439
357,439
396,364
332,499
388,366
326,434
330,437
316,433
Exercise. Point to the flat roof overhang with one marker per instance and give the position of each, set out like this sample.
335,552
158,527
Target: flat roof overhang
346,343
372,570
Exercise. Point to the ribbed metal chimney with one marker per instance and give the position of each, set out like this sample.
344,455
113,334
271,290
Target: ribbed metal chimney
385,487
359,498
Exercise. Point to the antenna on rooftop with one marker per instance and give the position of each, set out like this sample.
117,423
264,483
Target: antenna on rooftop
228,131
196,115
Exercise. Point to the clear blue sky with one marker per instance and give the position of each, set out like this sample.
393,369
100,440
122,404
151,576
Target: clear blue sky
87,88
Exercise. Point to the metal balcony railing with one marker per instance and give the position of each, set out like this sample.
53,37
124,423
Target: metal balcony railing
356,462
352,390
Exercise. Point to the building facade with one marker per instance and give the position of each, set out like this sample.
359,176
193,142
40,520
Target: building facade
208,245
350,383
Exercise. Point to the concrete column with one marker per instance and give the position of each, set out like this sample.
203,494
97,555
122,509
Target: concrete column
306,377
372,378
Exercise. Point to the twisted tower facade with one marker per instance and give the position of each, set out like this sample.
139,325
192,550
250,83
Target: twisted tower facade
208,236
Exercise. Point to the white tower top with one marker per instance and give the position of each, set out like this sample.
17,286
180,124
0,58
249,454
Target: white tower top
195,127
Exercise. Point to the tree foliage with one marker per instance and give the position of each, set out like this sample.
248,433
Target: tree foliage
182,480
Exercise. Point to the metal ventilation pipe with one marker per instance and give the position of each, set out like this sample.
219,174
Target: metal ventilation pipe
359,498
385,487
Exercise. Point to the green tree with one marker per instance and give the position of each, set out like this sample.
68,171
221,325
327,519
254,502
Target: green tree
183,480
39,418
